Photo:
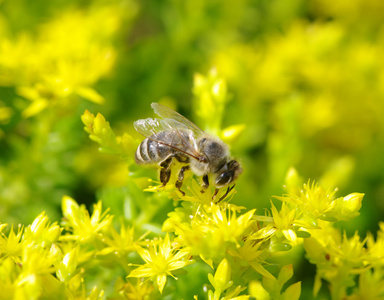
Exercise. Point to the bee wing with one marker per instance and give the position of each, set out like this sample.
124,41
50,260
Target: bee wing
184,135
171,116
148,127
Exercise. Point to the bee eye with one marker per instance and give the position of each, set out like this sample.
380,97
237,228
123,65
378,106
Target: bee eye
224,178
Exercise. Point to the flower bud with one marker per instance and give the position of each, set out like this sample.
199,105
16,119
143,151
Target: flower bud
221,280
199,82
348,207
38,225
87,118
231,133
53,233
67,266
352,202
219,90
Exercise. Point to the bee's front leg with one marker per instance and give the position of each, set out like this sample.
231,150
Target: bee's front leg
180,179
225,195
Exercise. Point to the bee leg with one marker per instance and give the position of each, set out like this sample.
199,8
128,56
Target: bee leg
165,171
215,193
181,158
180,179
205,184
226,193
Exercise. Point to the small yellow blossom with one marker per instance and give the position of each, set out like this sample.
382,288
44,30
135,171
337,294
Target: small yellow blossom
161,259
230,134
37,269
271,288
41,232
313,199
66,269
62,60
376,249
5,113
100,132
222,279
250,254
347,207
211,230
119,243
282,221
11,246
139,291
83,226
229,224
222,282
210,98
317,203
338,258
76,289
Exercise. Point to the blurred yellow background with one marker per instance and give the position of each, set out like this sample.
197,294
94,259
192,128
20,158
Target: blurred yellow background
306,78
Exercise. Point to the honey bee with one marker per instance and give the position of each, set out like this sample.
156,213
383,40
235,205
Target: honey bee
175,137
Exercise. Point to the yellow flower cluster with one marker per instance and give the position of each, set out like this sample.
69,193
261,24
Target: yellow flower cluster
65,58
47,259
52,261
162,258
237,245
339,259
100,132
234,243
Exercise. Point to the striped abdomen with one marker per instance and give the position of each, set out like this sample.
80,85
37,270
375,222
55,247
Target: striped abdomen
150,151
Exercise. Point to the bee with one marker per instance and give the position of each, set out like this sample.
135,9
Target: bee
175,137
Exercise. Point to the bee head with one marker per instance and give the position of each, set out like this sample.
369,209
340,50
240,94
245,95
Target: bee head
228,174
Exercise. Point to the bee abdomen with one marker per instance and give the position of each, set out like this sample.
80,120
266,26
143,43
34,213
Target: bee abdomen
149,152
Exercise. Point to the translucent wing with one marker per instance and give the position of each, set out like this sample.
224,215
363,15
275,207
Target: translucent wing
172,116
148,127
184,136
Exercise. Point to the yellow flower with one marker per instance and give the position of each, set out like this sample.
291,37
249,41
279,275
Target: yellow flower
347,207
61,61
140,291
312,199
222,279
66,268
209,230
210,97
37,268
251,255
84,227
376,249
222,282
41,232
231,226
119,243
101,132
271,287
338,258
282,221
161,259
12,245
315,202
